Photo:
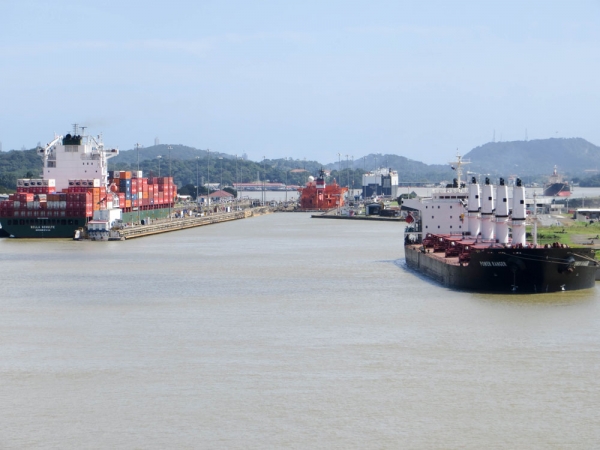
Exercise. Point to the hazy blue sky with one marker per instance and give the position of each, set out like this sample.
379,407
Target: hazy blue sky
301,79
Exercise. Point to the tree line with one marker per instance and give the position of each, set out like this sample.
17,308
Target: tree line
195,172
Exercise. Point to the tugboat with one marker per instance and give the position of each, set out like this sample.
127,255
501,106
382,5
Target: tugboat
556,186
461,238
317,195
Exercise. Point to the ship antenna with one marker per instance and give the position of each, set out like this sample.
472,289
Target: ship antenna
83,130
457,165
75,127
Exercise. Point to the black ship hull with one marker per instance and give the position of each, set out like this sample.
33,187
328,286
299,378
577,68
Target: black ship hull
506,270
64,227
557,190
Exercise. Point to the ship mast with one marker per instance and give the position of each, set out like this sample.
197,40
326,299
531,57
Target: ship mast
457,165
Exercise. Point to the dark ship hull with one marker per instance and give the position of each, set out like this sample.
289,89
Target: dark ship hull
506,270
64,227
557,190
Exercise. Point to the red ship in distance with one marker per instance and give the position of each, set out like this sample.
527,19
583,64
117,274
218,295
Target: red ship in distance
317,195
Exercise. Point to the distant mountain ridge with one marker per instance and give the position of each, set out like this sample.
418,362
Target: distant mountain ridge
178,151
534,158
575,158
537,157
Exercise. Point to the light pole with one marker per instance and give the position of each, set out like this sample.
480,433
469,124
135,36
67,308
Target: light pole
208,181
264,178
286,175
221,163
197,178
169,183
237,183
352,178
348,177
137,202
305,174
340,167
364,188
159,158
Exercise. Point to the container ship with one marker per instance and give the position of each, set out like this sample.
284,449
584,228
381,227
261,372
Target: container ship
77,193
556,186
461,238
317,195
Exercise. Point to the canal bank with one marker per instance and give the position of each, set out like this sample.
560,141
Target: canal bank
175,224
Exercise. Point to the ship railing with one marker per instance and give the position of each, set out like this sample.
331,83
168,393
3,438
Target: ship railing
449,191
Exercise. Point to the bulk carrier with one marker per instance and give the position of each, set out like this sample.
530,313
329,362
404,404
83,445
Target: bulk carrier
556,186
461,237
77,193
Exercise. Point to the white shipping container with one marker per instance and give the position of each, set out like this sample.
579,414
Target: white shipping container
17,204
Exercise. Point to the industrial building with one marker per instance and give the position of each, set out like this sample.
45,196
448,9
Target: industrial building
382,181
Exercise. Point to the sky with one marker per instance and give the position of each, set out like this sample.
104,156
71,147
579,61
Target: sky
301,79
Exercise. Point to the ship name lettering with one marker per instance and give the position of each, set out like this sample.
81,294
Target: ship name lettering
492,263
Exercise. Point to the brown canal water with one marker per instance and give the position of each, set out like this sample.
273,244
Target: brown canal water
282,331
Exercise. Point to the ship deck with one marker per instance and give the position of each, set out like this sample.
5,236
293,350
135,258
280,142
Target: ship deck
440,256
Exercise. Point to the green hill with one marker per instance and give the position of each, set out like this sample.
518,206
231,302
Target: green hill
18,164
181,152
535,158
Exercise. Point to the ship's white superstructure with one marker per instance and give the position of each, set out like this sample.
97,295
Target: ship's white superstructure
76,157
484,213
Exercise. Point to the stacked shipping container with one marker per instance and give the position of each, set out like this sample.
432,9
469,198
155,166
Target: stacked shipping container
63,204
38,198
145,193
